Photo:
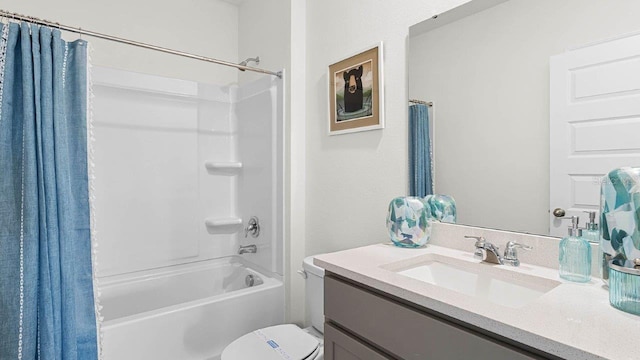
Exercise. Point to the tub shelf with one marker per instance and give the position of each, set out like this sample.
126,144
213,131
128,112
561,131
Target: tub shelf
230,167
220,222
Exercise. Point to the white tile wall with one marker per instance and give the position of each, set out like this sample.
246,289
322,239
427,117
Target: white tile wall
153,137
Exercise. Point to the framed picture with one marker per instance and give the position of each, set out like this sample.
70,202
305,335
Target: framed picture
356,93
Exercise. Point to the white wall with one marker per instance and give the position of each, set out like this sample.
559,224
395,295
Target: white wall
296,74
488,75
351,178
275,30
203,27
263,30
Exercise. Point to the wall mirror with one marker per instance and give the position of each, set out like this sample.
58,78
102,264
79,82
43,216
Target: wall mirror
498,73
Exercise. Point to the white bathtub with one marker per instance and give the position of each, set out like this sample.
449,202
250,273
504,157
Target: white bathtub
188,311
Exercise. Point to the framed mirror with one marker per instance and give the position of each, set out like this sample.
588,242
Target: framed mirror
533,102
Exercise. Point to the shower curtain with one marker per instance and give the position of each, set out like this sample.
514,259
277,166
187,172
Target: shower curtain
47,306
420,162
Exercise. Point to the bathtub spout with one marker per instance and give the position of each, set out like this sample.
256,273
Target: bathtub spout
251,249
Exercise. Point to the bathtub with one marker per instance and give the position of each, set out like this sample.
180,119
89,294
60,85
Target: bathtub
188,311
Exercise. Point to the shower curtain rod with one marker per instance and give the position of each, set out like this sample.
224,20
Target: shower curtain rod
415,101
37,21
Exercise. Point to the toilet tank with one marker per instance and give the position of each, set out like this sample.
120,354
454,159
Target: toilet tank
314,292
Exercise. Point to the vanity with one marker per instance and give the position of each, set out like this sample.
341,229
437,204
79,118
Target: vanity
388,327
439,302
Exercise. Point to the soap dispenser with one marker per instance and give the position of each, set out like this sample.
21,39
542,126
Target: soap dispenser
591,232
575,254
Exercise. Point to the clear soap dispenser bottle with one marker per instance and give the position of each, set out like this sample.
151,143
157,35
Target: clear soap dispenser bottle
575,255
591,232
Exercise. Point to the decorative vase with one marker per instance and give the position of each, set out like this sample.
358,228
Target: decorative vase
442,207
408,222
620,218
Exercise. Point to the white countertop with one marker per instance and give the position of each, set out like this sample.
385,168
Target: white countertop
573,321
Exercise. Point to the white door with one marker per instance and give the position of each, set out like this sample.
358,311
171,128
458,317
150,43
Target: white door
594,123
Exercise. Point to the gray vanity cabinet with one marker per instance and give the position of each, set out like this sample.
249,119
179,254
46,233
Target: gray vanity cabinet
339,345
361,323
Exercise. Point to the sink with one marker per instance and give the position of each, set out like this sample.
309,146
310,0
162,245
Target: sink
483,281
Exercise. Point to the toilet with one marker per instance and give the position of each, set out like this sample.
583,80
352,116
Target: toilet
288,341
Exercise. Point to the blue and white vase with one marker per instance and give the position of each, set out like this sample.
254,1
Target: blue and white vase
620,217
442,207
408,222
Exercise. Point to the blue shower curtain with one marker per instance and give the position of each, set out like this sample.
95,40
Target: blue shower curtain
420,177
46,289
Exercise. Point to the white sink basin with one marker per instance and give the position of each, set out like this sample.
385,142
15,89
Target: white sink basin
483,281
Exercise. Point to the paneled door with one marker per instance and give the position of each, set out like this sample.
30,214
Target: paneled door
594,123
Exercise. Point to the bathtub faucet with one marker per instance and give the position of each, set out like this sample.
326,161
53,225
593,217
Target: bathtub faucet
251,249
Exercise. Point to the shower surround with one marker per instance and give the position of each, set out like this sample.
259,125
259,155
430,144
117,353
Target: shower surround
180,168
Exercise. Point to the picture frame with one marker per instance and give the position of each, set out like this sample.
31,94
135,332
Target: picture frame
356,92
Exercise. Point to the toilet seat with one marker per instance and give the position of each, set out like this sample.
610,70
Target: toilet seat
273,343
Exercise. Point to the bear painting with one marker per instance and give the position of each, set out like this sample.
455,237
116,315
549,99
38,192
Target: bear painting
353,89
355,93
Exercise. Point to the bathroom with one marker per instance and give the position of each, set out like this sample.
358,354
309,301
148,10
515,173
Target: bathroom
330,193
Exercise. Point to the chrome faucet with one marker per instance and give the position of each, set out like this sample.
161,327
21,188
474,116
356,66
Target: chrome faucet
486,251
249,249
490,253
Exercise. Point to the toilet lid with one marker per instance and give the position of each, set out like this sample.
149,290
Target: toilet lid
272,343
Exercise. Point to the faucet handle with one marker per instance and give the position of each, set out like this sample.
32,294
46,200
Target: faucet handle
511,245
510,253
253,227
480,241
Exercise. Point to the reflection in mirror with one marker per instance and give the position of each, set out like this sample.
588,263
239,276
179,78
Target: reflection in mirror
510,80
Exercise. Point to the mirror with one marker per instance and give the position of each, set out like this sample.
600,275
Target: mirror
485,66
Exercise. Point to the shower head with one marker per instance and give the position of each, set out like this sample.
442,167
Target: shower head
248,60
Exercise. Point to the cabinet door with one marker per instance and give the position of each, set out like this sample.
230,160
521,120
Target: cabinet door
408,333
340,346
